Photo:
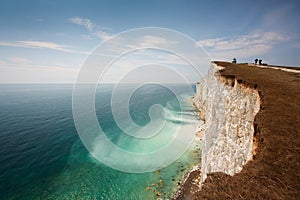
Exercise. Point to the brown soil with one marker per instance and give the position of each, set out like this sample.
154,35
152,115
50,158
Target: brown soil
274,172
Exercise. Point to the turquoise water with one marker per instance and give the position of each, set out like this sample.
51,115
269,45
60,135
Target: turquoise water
42,157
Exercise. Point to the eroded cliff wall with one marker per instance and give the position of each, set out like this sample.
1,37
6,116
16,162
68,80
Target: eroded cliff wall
228,108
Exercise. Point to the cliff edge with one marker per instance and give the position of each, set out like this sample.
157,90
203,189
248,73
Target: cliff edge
266,164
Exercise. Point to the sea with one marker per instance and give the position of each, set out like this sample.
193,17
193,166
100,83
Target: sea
42,156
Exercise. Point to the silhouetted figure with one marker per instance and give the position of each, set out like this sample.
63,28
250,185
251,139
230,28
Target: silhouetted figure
255,61
234,60
260,61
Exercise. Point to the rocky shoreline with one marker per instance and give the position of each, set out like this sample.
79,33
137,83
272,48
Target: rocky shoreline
189,185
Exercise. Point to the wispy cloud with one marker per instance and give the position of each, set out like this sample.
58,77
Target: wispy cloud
23,70
92,27
40,45
87,23
86,37
19,60
150,40
243,46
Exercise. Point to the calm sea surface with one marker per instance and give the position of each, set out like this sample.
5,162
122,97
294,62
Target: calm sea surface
42,157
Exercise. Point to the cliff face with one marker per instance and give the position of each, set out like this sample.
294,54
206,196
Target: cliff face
228,108
274,171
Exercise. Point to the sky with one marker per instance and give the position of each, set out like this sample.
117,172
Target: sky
49,41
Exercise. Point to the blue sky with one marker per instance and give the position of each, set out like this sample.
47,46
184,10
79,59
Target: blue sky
47,41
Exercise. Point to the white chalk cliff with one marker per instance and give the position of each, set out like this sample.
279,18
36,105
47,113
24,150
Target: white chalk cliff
228,108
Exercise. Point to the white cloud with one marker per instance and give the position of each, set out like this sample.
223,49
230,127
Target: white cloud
150,40
120,45
87,23
19,60
40,45
129,63
273,37
102,35
210,42
243,53
91,27
45,45
22,70
243,46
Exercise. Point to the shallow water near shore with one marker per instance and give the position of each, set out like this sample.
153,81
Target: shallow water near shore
42,157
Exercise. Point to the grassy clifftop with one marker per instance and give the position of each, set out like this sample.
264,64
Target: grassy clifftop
274,173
